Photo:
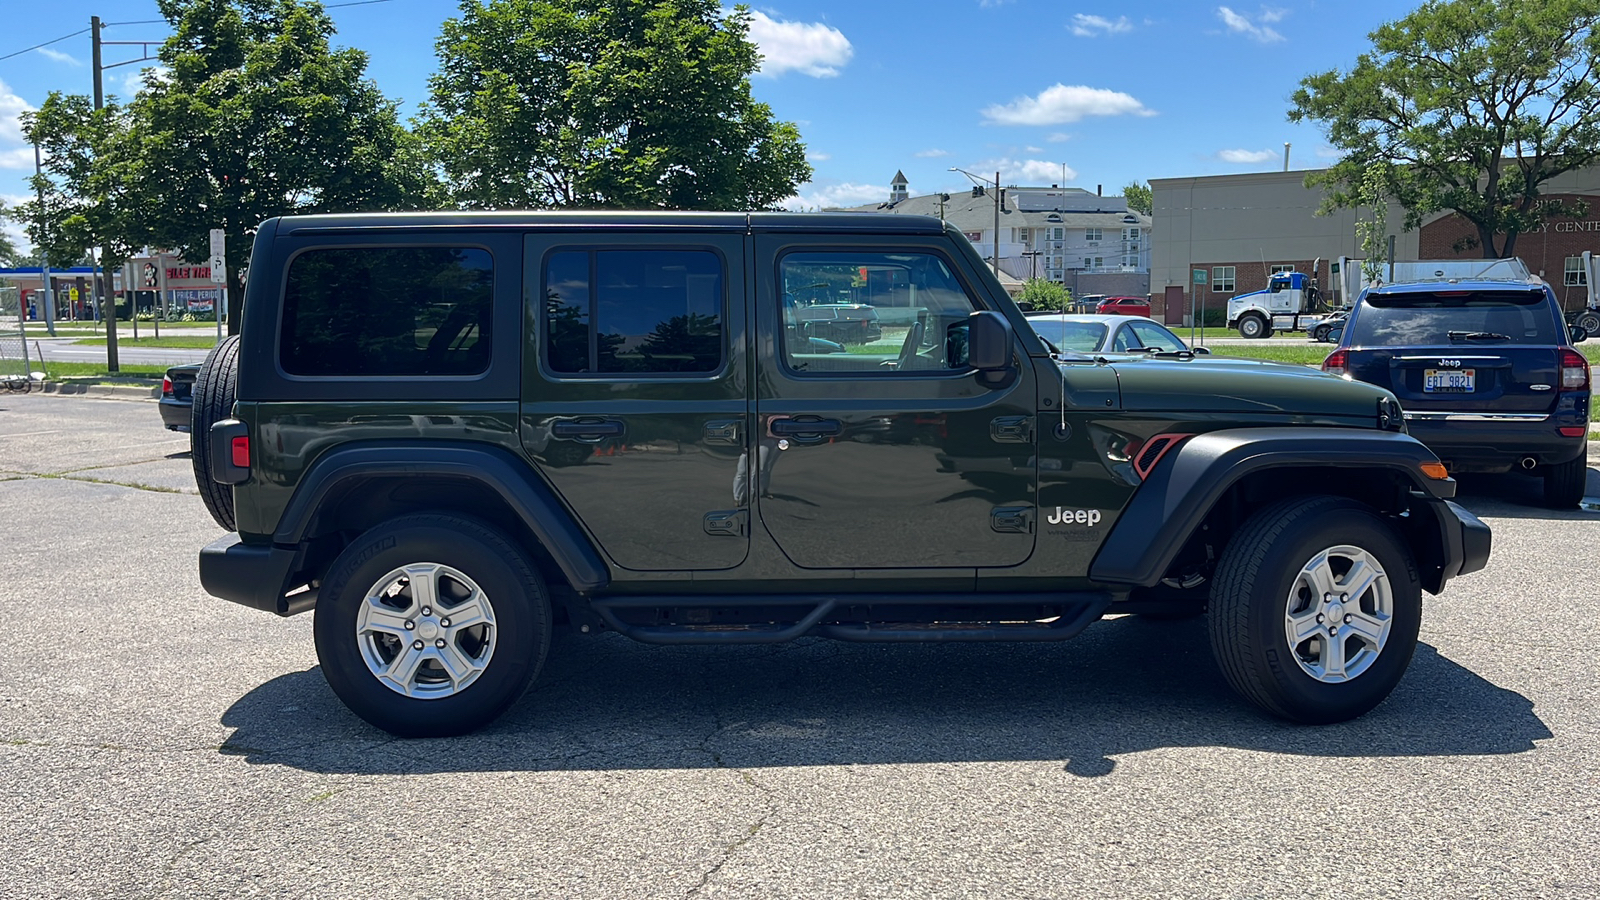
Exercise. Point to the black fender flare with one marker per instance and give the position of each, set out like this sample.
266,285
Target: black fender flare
1184,487
502,471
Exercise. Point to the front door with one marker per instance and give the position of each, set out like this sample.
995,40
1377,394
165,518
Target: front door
634,391
883,450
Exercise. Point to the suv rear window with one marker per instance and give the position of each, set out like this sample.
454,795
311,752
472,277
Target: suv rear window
382,311
633,311
1445,317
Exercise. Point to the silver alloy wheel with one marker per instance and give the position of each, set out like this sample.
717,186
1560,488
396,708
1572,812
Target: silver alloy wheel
426,631
1339,613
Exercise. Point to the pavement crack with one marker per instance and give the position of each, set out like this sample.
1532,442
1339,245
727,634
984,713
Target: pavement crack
172,864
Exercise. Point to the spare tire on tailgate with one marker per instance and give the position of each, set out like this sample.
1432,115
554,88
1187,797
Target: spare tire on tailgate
215,389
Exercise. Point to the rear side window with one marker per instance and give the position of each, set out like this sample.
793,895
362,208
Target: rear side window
386,311
1455,317
610,312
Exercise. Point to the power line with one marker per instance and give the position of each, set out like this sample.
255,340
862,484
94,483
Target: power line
357,3
45,44
140,22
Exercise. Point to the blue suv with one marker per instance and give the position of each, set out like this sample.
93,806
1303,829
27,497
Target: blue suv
1485,371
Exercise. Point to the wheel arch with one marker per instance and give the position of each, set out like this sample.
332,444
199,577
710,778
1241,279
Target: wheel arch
1195,498
354,488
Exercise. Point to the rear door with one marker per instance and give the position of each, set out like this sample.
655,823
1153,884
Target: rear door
1470,351
634,390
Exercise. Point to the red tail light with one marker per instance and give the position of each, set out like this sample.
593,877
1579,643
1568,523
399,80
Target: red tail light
1574,370
1336,362
241,451
166,386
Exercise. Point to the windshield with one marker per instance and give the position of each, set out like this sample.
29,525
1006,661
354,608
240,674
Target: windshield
1081,336
1454,317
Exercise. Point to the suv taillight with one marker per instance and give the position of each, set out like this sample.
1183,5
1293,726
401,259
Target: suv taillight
166,386
1574,370
1336,362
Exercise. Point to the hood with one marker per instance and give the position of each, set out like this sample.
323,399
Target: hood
1217,384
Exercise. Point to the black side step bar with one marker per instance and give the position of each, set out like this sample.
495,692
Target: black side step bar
1078,609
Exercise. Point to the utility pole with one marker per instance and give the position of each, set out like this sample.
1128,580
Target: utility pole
983,183
109,302
49,304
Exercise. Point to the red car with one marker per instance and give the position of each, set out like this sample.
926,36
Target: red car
1124,306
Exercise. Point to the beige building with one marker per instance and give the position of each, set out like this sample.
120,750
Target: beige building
1241,228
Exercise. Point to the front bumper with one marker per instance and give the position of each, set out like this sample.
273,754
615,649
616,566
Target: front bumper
1487,444
253,575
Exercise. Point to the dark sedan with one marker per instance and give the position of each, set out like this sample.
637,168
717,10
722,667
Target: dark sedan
177,396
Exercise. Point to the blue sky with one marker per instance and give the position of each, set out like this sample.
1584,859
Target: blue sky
1040,90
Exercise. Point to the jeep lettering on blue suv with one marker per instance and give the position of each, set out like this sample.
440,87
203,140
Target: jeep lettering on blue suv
449,435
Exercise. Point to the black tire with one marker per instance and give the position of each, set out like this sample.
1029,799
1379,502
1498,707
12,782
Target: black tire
1320,334
1251,604
1590,322
1564,483
518,643
1254,326
216,387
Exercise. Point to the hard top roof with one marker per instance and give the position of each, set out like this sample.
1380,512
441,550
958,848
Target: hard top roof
613,220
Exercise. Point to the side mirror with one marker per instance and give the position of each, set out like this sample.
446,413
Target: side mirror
990,343
1579,334
1200,351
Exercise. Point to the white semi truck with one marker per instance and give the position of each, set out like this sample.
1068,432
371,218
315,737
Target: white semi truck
1291,302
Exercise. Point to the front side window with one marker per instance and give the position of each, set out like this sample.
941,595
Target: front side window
387,311
885,313
613,312
1222,279
1573,275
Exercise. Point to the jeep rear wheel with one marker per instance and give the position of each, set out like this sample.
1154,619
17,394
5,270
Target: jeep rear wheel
431,625
1564,482
215,389
1315,610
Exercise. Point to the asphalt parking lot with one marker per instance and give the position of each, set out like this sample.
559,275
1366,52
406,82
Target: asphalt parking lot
155,742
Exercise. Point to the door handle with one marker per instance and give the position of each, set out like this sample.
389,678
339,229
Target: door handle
806,428
597,430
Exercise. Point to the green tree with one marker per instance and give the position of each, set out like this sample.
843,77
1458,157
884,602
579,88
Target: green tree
86,192
605,103
1045,294
9,254
1469,106
1372,230
1139,197
257,115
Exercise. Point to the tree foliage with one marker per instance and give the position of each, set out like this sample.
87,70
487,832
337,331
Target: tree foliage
1468,106
252,114
1042,293
10,255
605,103
1139,197
1373,229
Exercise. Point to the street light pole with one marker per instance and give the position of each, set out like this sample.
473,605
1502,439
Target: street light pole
49,303
109,303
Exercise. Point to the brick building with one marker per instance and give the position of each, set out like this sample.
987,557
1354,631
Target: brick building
1241,228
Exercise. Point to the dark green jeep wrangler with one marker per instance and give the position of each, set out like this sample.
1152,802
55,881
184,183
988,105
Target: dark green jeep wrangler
452,434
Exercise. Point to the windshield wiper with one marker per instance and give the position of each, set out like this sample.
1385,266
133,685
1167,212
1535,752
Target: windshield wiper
1479,336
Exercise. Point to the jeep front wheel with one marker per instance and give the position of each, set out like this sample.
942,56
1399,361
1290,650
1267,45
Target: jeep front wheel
1315,610
431,625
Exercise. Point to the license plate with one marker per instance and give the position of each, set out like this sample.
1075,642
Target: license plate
1448,381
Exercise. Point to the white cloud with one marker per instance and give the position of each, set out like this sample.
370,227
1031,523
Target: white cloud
60,57
1246,156
1093,26
1033,149
931,154
133,83
1065,103
819,157
1240,24
15,151
810,48
1326,152
1058,137
1273,14
1026,171
825,196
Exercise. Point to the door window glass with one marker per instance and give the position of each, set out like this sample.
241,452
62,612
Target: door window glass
1153,335
886,313
386,311
1124,340
612,312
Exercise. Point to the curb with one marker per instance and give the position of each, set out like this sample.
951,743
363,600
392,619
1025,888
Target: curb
103,391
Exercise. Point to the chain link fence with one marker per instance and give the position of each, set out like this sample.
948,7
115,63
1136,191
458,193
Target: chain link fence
15,365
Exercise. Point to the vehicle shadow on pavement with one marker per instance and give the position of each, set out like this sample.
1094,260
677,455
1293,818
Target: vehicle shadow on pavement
1513,495
1125,686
